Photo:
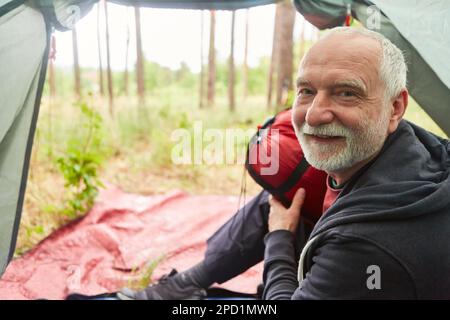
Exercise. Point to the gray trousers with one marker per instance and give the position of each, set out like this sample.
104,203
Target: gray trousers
239,243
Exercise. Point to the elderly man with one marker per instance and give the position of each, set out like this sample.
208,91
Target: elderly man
386,222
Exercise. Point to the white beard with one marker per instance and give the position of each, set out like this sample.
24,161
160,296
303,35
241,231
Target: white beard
357,145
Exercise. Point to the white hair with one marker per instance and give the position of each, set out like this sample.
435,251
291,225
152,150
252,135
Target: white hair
393,67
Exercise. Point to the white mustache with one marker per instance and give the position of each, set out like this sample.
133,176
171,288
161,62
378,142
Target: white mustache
331,129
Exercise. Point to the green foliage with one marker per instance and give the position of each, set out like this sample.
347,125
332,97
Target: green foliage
185,78
258,77
144,275
289,99
80,163
159,78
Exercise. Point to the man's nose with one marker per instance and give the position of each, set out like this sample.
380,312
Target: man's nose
319,112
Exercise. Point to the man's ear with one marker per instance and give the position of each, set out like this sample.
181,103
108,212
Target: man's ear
398,106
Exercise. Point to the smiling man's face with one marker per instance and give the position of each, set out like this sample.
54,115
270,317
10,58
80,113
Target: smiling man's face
341,115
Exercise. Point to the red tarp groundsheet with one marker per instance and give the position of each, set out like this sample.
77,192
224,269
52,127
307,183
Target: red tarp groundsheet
123,232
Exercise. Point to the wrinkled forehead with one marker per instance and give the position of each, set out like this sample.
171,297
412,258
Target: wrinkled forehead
339,57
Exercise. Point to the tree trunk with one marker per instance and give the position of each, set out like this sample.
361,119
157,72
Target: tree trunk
212,60
100,62
245,75
316,34
127,50
52,87
286,54
231,72
76,64
140,58
302,39
51,67
274,56
108,64
201,93
51,78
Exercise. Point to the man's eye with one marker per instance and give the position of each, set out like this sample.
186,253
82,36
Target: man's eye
305,91
346,94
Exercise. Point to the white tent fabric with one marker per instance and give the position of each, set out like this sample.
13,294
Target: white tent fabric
417,22
22,48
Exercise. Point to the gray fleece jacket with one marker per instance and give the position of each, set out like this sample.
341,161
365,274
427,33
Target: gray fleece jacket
387,236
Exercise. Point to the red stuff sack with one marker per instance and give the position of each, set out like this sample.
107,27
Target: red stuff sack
276,162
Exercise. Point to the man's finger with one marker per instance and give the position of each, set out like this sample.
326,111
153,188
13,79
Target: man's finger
274,202
299,198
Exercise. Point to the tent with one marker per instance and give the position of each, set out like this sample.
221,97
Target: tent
25,29
418,28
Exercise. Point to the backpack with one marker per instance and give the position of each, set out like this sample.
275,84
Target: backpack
276,162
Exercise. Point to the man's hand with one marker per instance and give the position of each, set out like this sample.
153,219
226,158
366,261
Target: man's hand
281,218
